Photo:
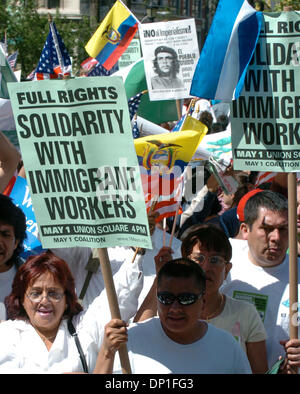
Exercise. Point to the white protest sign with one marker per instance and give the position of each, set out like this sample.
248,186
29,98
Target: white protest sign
170,51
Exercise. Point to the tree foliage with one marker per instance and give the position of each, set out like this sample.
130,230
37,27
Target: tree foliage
263,5
27,30
295,4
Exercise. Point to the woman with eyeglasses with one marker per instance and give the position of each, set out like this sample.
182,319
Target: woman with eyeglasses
208,246
48,331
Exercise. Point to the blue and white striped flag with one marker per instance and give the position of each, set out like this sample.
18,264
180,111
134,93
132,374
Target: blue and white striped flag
228,49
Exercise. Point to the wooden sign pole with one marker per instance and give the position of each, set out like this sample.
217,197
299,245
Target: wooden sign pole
113,303
293,253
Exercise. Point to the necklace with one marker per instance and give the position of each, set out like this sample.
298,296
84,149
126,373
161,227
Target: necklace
218,310
44,339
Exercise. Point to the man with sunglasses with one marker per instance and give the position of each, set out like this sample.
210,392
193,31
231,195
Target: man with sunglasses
178,341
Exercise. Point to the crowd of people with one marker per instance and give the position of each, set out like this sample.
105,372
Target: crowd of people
214,302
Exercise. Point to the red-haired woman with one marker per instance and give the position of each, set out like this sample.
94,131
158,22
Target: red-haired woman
44,313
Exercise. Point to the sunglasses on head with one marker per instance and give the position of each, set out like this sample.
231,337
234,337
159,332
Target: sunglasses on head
166,298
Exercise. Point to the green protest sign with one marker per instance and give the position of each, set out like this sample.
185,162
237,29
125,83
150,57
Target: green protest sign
131,55
265,119
77,146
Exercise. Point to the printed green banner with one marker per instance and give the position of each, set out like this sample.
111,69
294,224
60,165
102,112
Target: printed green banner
131,55
80,161
265,119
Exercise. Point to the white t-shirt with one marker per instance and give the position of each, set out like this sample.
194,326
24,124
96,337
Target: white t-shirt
242,320
151,351
267,289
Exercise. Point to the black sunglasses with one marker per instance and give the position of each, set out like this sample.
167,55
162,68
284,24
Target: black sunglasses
167,298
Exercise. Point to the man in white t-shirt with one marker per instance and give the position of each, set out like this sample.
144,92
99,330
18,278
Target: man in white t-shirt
178,341
260,271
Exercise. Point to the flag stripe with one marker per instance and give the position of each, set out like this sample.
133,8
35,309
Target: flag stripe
227,51
109,48
116,17
113,35
264,177
115,52
243,38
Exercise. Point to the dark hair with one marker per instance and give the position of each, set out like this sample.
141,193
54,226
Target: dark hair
223,120
183,268
210,237
32,269
239,193
207,119
14,216
268,199
175,64
216,128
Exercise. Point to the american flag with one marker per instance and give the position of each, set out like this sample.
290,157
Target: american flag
135,129
99,70
49,66
133,104
178,125
88,63
30,76
12,59
264,177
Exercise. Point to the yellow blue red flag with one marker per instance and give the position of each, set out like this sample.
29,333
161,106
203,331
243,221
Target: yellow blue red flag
163,159
113,35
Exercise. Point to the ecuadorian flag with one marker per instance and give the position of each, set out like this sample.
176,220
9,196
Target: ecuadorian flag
113,35
163,159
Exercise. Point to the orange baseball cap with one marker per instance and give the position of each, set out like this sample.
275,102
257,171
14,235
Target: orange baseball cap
243,202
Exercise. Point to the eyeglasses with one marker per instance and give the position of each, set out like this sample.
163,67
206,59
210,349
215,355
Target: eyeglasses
213,260
37,296
166,298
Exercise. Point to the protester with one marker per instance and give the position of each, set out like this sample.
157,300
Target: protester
166,66
178,341
128,276
9,161
260,271
208,246
12,235
42,307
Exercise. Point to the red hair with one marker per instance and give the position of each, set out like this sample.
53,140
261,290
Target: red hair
27,274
